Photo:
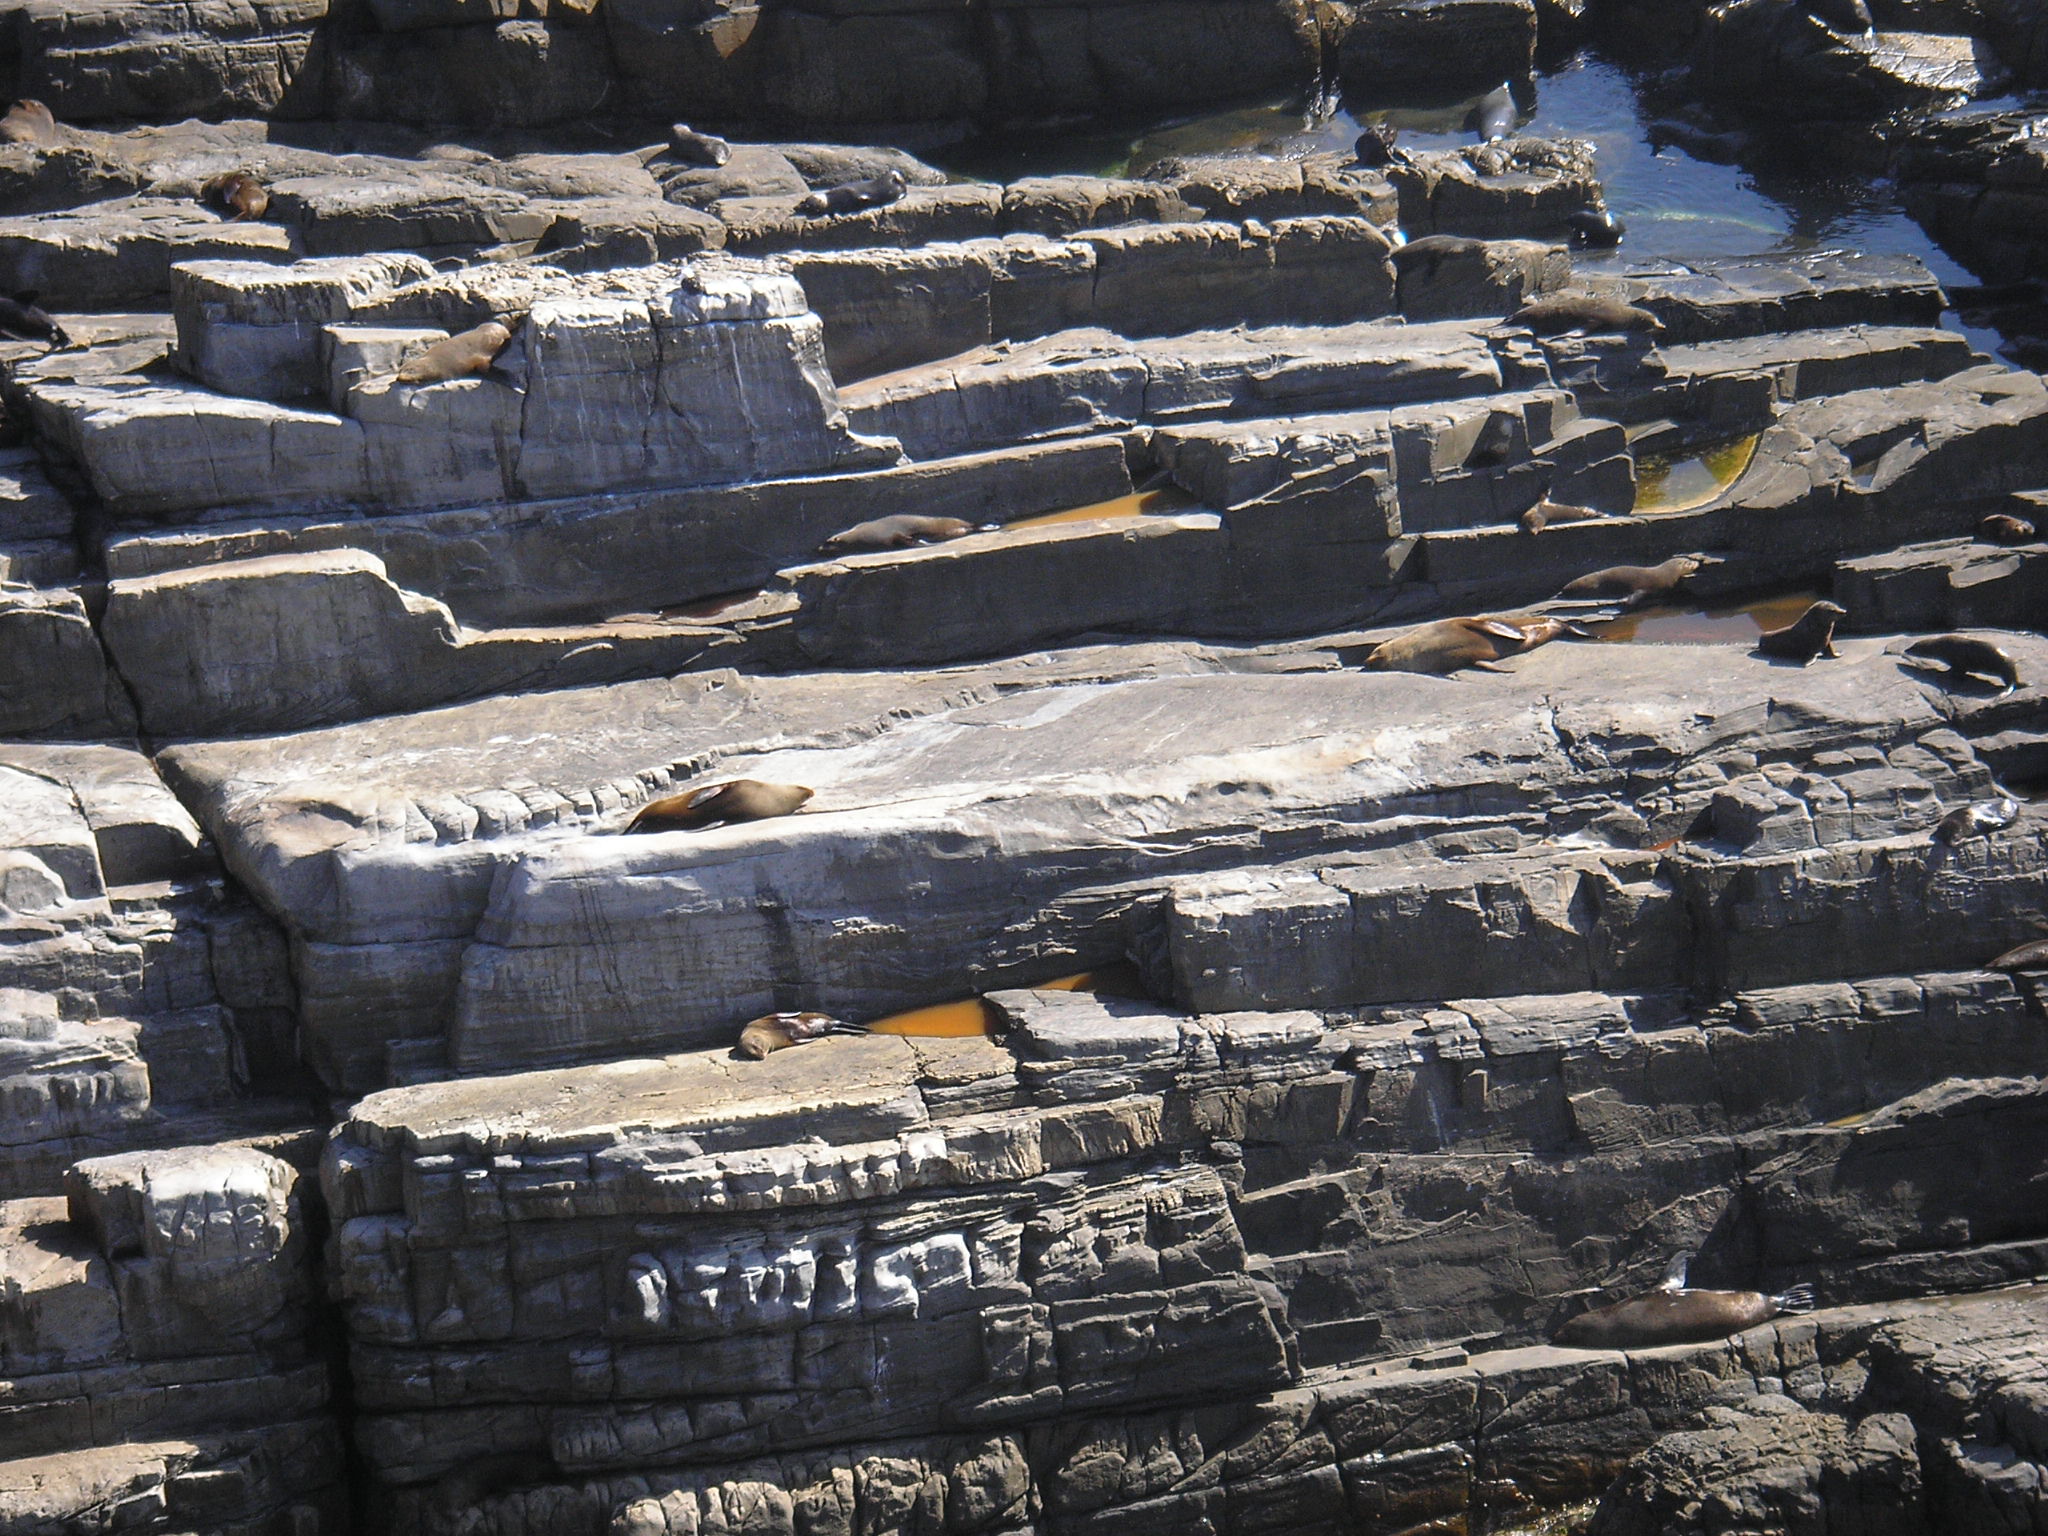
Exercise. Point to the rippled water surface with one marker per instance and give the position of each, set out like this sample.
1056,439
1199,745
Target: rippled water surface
1676,204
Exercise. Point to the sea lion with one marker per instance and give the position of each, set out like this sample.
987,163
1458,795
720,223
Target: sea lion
1496,440
1976,820
237,194
1494,115
1556,313
1672,1314
454,357
777,1031
1811,634
1546,512
694,148
1595,229
1448,644
717,804
1432,251
22,319
2030,956
2001,528
1964,656
1638,583
898,532
1376,148
28,122
855,196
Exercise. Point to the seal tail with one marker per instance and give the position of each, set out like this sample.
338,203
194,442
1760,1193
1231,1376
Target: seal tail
1798,1299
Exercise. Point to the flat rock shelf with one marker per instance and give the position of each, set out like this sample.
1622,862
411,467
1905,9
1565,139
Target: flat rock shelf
418,459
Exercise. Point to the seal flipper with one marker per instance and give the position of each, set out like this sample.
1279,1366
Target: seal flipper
1674,1272
1798,1299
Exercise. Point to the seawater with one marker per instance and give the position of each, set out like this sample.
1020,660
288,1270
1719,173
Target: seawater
1677,206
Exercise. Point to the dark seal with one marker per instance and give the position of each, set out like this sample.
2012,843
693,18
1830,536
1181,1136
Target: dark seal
1595,229
1494,116
1376,147
1638,583
855,196
690,147
1557,313
901,531
22,319
2003,528
1964,656
1811,634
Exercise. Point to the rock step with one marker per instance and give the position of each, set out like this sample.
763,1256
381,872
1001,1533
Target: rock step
489,917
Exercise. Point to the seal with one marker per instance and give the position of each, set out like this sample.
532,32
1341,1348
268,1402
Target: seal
1448,644
718,804
1375,148
855,196
1966,657
2001,528
1977,820
1673,1314
1493,117
1595,229
1546,512
778,1031
1495,441
2030,956
1432,251
1811,634
237,194
898,532
1556,313
454,357
1638,583
694,148
28,122
24,320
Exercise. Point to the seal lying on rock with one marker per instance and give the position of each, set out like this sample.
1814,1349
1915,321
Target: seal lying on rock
2001,528
1976,820
1556,313
717,804
1672,1314
28,122
1546,512
1811,634
454,357
777,1031
1449,644
855,196
236,194
24,320
2030,956
899,532
1638,583
1965,657
694,148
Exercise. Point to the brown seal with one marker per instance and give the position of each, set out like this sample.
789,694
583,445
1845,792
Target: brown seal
855,196
1449,644
2002,528
1546,512
454,357
778,1031
1375,147
28,122
1986,816
237,194
693,148
716,804
1811,634
1638,583
1556,313
898,532
2030,956
1964,656
1672,1314
1432,251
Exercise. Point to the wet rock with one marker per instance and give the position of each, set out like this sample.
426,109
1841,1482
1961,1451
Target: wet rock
1392,47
